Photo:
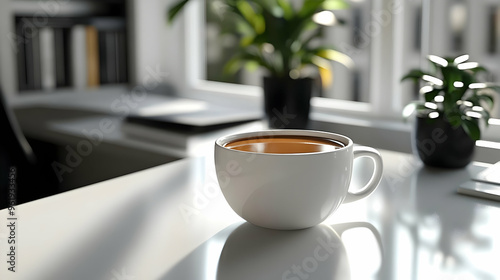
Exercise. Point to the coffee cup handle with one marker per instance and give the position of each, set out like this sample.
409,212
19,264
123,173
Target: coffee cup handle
362,151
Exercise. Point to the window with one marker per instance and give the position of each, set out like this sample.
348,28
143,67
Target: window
385,38
349,37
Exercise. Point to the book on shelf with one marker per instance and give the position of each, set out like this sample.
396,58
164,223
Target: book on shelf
35,49
27,43
121,57
47,58
110,56
61,57
78,56
92,43
102,57
70,52
107,50
112,51
22,75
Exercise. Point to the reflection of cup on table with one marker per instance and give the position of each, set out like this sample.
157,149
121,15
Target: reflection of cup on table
290,179
252,252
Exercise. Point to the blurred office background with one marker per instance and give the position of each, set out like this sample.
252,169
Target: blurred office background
63,45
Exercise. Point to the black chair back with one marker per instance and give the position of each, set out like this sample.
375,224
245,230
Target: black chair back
19,180
12,139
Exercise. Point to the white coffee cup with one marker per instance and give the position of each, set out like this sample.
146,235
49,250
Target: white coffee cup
290,190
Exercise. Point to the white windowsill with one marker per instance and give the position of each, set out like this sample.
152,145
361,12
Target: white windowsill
346,117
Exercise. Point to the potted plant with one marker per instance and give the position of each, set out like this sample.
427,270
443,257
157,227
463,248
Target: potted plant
454,106
283,39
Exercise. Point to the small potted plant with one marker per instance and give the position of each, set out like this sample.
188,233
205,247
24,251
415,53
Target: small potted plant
282,38
454,106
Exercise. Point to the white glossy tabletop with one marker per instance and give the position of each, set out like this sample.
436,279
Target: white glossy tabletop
172,222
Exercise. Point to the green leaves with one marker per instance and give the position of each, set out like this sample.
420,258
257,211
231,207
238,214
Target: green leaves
256,20
335,5
471,127
287,8
310,7
175,9
334,55
431,94
456,93
438,61
486,98
414,74
244,57
411,108
276,35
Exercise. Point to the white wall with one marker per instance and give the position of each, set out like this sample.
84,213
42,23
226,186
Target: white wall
155,45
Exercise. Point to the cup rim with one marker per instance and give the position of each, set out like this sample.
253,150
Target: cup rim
221,141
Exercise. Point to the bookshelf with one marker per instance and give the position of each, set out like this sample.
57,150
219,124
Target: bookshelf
53,45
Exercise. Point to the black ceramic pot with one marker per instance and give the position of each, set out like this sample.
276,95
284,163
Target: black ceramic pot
287,101
439,144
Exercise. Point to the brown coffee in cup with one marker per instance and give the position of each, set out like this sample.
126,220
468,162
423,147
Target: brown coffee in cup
285,144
